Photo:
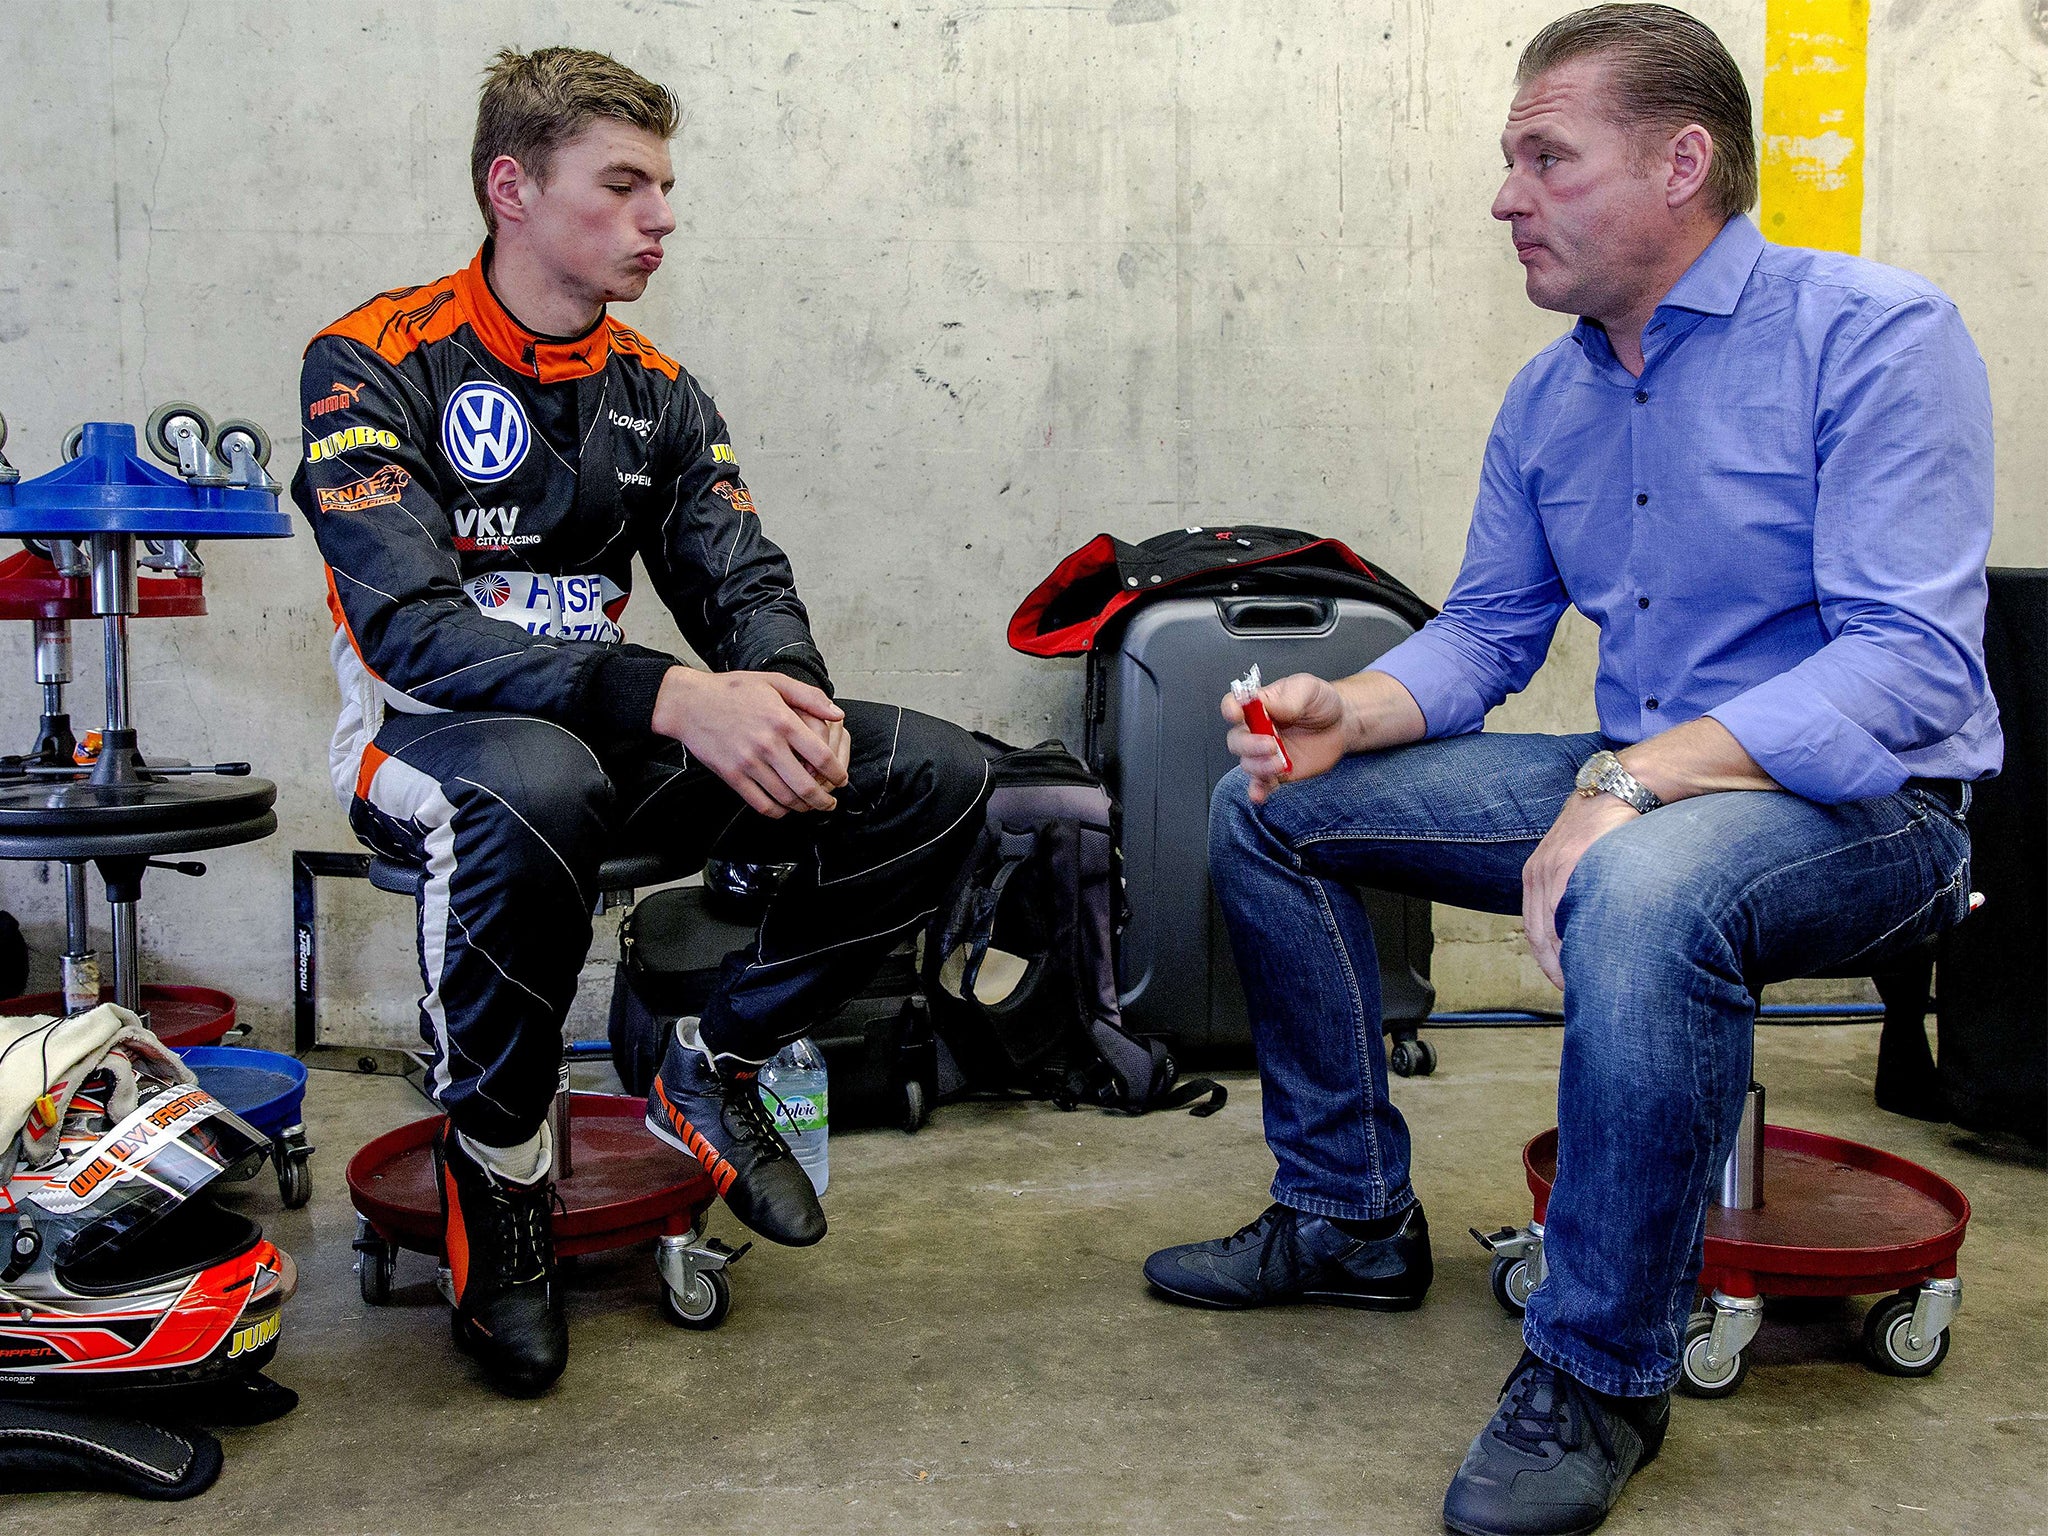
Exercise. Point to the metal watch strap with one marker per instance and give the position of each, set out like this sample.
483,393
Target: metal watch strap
1612,778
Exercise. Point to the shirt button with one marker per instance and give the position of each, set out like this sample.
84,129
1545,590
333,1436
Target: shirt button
1642,498
1649,703
1642,397
1642,602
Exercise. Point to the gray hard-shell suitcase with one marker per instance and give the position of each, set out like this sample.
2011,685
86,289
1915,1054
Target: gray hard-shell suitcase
1154,735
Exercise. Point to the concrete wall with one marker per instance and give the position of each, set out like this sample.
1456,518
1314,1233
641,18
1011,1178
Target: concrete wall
971,282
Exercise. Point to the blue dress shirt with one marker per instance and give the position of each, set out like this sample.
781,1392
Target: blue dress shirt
1782,524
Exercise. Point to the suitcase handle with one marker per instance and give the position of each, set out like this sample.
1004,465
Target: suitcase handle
1278,615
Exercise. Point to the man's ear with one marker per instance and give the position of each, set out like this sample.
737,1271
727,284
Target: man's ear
1689,156
508,187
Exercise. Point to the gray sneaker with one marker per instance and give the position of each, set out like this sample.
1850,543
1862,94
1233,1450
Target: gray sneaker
1287,1255
1554,1457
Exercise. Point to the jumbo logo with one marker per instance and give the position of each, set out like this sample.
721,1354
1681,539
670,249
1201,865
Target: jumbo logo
255,1336
335,444
484,432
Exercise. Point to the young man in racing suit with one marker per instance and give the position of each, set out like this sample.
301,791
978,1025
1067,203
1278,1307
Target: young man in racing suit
485,455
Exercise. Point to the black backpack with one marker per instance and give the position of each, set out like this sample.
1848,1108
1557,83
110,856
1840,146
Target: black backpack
1020,962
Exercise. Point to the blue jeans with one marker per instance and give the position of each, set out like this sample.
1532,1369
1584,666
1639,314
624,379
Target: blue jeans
1668,926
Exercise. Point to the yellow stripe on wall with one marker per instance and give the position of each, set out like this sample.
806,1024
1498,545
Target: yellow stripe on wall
1814,57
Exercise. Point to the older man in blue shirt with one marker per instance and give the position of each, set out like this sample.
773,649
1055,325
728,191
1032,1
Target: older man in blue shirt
1765,474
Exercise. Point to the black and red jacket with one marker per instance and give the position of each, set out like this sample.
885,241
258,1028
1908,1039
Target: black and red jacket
478,492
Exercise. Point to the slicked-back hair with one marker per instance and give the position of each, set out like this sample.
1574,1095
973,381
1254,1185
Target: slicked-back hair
534,103
1665,69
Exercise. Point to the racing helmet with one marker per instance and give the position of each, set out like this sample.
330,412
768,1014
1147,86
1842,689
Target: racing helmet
121,1171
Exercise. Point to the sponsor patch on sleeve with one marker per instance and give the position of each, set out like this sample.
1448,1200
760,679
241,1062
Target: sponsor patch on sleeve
335,444
564,607
339,397
379,490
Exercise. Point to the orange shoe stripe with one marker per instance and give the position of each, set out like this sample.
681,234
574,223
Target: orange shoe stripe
722,1172
455,1240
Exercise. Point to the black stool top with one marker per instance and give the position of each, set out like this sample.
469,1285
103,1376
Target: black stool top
73,819
625,873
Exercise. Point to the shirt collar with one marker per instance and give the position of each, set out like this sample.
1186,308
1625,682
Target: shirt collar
548,359
1712,285
1715,280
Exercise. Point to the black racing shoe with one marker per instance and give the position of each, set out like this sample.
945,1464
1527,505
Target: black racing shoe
1287,1255
501,1265
1555,1456
713,1112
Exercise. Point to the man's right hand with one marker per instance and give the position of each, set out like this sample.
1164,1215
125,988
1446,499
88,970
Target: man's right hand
756,731
1322,722
1309,714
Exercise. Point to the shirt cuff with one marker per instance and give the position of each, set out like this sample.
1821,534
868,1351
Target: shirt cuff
1795,733
805,669
1434,673
622,689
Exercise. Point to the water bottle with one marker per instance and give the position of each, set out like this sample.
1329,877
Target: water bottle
793,1091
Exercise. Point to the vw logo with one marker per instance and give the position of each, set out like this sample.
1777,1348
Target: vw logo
484,432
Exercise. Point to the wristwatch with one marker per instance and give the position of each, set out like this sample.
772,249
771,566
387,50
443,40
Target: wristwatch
1603,771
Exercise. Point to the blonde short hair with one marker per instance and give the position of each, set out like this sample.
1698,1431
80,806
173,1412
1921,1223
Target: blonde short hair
534,103
1669,69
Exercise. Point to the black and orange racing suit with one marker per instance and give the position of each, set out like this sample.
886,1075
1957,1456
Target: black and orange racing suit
478,493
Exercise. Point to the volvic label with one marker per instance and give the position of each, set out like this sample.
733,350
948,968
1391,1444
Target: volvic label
797,1111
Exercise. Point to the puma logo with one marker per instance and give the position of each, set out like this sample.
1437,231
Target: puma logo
340,397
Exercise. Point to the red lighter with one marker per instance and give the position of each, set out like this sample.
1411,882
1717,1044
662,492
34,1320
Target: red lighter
1246,691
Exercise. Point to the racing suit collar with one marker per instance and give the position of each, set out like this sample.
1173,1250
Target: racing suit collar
548,359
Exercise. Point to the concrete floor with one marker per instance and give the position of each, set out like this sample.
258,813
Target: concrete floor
972,1350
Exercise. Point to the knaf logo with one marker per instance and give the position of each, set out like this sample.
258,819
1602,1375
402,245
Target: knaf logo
379,490
490,528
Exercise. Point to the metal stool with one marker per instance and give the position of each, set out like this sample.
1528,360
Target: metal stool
616,1185
1843,1219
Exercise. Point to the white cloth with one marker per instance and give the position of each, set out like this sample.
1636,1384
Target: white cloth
41,1054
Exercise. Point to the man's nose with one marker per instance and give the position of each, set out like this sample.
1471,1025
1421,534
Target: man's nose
1511,199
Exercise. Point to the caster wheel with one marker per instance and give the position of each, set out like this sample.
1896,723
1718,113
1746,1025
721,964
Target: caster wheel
703,1306
1511,1285
376,1264
1887,1340
1696,1378
247,432
294,1182
167,421
1412,1058
74,443
916,1108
